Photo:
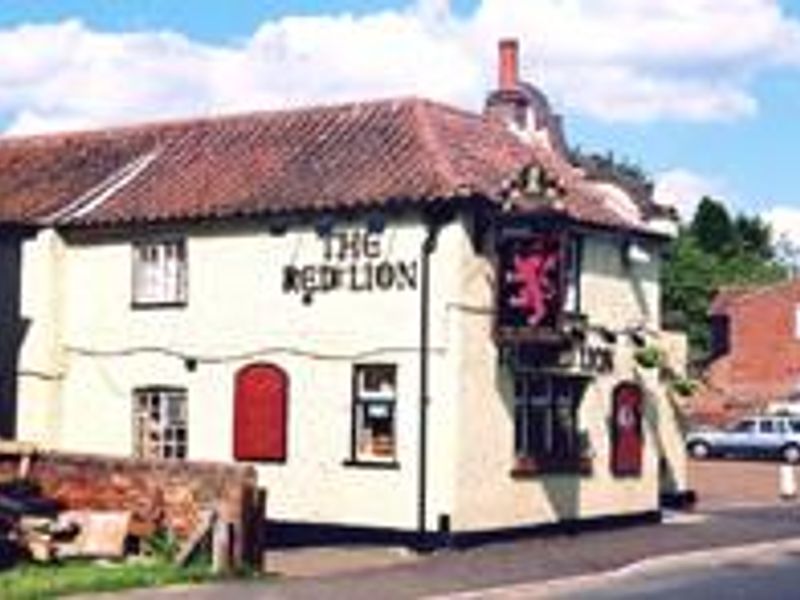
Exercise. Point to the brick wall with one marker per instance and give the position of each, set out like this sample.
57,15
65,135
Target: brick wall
763,362
171,494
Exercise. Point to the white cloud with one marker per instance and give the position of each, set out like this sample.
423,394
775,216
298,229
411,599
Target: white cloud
785,223
684,189
612,59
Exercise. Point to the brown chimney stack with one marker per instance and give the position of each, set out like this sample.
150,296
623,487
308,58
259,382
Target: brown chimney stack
509,65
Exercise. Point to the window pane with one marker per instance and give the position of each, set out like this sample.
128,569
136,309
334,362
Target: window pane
374,403
159,272
159,422
545,418
572,296
521,447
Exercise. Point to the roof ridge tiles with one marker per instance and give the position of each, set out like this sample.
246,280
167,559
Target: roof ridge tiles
364,154
178,123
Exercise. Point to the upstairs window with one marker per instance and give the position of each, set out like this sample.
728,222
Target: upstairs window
374,401
160,422
160,273
720,335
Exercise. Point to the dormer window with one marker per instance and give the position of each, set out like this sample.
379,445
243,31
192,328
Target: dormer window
160,273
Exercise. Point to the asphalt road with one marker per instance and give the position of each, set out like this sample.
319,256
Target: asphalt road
608,563
745,581
764,571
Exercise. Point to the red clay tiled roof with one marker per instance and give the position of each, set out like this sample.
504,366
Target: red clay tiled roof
729,297
353,155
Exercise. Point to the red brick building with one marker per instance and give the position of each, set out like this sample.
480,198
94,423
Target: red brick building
755,349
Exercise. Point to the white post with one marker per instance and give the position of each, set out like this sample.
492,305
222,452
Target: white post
788,483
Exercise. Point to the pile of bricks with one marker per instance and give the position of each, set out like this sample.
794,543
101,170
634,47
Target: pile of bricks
159,494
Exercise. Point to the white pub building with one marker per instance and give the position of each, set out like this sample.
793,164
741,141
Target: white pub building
411,319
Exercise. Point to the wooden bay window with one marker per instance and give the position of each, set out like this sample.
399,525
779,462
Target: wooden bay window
546,433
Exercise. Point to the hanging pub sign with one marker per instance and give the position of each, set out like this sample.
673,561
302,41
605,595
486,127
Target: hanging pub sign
626,429
530,287
352,261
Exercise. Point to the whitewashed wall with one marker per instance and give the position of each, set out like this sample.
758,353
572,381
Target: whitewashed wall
78,295
487,496
236,307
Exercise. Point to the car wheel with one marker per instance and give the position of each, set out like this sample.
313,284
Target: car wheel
791,454
702,450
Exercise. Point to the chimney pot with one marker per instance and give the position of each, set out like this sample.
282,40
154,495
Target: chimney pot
509,64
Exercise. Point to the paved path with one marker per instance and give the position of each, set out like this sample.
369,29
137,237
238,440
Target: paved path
524,562
735,482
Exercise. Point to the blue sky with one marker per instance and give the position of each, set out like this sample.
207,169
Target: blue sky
704,94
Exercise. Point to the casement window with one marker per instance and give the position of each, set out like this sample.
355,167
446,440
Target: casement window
160,424
374,435
261,412
546,435
160,273
720,326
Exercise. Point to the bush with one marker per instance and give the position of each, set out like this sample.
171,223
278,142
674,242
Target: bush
649,357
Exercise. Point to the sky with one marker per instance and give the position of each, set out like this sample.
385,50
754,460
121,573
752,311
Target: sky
704,95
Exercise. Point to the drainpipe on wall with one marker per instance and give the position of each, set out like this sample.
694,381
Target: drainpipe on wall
428,247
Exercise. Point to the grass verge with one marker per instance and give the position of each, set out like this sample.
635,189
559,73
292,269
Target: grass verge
73,577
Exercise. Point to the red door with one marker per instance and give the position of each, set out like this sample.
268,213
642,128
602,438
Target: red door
626,429
260,413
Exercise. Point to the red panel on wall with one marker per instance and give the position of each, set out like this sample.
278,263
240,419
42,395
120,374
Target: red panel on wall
260,413
626,429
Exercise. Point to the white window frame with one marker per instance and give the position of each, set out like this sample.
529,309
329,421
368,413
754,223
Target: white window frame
160,422
160,273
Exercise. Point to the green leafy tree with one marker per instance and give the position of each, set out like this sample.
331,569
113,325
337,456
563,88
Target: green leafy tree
712,227
687,289
753,237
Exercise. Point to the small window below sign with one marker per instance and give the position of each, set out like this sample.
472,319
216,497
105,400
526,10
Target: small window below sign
546,434
374,401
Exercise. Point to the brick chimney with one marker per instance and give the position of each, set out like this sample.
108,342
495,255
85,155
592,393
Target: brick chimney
508,103
508,73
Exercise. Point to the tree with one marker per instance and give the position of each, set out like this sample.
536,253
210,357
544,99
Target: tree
687,288
753,236
712,227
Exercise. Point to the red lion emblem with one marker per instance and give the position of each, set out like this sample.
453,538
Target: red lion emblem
536,269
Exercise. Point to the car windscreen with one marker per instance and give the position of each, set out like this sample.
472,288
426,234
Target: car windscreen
744,426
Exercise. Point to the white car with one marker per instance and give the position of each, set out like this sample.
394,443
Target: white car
762,436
